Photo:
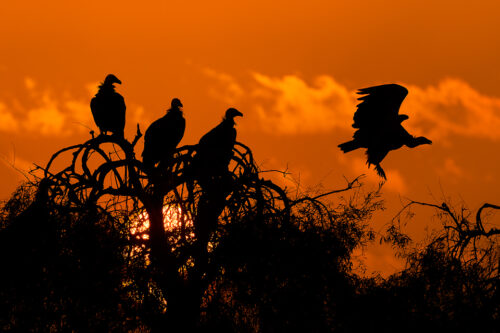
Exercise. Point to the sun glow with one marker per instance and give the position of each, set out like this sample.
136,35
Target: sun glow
175,220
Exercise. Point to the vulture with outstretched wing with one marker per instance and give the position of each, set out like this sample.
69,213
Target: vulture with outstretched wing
108,107
163,136
379,126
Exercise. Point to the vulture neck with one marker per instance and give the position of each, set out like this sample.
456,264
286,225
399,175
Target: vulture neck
174,110
107,87
229,121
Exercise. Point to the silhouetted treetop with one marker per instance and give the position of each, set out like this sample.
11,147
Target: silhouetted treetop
379,124
195,239
108,107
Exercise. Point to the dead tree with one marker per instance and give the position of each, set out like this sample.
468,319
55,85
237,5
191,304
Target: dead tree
173,222
161,208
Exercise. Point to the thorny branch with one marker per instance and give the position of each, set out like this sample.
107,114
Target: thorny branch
467,240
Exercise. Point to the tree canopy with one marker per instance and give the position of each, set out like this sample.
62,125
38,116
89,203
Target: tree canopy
99,243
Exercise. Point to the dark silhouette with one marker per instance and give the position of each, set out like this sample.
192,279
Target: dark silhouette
108,107
213,154
215,148
163,136
95,246
379,124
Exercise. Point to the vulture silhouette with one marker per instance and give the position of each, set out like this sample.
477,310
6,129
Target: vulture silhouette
108,107
163,136
213,155
379,126
215,148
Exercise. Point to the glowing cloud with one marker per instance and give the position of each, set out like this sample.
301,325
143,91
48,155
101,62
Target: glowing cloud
49,115
8,123
46,115
453,107
289,105
231,91
296,107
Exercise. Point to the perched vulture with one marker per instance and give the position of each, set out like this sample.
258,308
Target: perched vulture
379,126
108,107
163,136
215,148
211,162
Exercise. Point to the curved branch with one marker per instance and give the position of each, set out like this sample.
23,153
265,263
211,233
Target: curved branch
479,223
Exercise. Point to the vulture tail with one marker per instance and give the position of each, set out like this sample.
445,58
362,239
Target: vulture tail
349,146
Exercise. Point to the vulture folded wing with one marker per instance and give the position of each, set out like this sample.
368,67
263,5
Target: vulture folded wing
173,130
121,109
379,105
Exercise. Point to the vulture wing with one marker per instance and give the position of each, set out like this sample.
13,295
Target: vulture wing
379,105
215,148
97,112
120,113
108,110
162,137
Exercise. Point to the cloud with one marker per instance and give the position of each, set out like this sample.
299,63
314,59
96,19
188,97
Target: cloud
46,114
289,105
452,107
292,106
227,89
8,123
451,170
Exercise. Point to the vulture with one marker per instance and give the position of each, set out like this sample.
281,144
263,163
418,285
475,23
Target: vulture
108,107
378,124
211,162
215,148
163,136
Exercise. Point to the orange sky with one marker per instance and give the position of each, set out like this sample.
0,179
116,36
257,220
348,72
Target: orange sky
291,67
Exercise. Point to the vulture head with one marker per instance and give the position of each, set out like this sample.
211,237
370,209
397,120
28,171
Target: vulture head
110,79
402,117
176,104
421,140
232,112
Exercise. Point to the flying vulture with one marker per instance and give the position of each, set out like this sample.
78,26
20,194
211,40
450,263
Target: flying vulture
108,107
215,148
163,136
379,126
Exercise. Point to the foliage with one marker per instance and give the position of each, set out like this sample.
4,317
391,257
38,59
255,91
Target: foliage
101,244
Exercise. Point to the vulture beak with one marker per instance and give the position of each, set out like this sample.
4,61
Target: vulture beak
232,112
110,79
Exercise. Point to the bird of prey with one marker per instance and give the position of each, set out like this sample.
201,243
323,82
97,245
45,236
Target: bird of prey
108,107
215,148
378,124
213,155
163,136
